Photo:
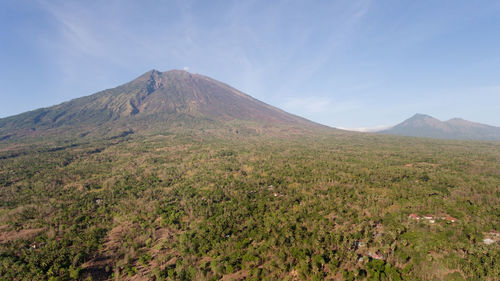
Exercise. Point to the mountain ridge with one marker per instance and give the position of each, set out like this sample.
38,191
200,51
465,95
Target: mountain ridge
423,125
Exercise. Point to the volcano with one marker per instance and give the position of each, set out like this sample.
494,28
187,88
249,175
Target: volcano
155,102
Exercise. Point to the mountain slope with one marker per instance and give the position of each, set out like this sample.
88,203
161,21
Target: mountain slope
153,100
421,125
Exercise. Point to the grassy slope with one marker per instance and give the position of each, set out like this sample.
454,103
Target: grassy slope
204,207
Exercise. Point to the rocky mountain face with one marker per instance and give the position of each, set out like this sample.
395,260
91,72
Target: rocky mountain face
421,125
155,101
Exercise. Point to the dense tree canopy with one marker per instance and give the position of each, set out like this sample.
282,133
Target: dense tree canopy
190,207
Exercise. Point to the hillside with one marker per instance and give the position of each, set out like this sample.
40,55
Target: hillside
175,176
154,102
421,125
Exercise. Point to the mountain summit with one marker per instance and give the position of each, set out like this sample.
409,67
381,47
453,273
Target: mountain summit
154,101
421,125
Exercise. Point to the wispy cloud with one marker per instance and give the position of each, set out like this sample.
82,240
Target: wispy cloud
329,40
94,42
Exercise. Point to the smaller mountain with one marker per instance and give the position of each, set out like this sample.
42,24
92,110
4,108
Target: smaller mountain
421,125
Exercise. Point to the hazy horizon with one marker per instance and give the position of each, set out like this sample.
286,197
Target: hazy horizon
346,64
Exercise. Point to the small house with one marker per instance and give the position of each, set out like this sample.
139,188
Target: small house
414,216
375,256
488,241
494,233
450,219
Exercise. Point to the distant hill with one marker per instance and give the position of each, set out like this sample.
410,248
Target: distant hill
155,101
421,125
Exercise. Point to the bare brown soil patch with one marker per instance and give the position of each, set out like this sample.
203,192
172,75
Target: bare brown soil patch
239,275
101,266
26,234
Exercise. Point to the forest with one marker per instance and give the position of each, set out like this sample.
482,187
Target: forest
331,206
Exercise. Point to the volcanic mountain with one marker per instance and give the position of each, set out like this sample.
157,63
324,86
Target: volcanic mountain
421,125
155,101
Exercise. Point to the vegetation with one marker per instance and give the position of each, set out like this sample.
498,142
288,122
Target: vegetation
201,207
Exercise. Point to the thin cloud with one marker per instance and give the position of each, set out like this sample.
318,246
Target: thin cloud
342,27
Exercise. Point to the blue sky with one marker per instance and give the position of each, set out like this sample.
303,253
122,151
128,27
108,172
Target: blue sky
351,64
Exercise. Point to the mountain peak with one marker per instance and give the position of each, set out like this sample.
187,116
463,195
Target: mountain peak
178,71
421,116
157,73
458,120
422,125
421,120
